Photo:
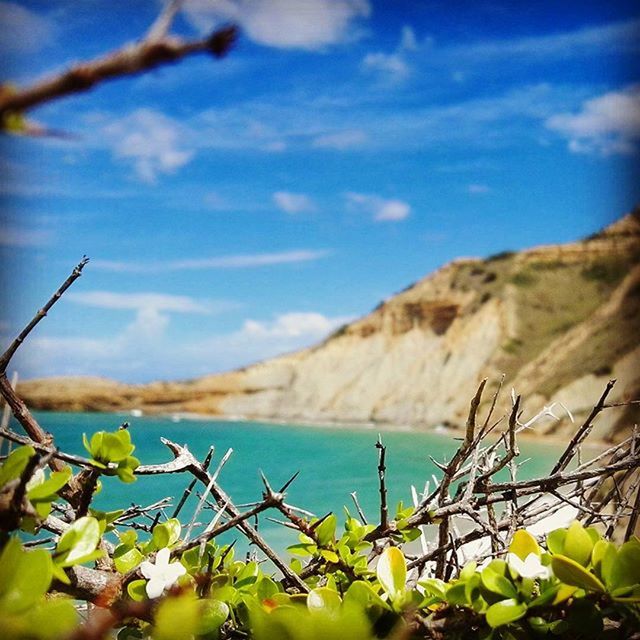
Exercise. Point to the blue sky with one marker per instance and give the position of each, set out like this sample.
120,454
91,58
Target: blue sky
241,208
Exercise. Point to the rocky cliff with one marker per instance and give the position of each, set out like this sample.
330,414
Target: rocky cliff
557,321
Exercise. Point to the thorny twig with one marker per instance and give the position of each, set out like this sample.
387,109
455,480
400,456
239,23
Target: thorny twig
474,466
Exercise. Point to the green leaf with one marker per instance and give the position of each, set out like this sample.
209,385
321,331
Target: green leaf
323,598
266,588
95,446
137,590
497,583
326,530
594,534
547,596
167,533
392,571
125,472
53,619
570,572
106,518
544,628
128,537
625,569
78,543
578,544
9,563
15,464
630,595
457,594
109,447
409,535
523,544
14,123
247,576
472,588
434,587
302,549
127,560
361,593
60,575
555,540
48,489
213,614
607,563
468,570
117,446
598,554
28,577
329,556
504,612
177,618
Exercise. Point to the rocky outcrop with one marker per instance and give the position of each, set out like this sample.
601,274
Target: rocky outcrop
557,321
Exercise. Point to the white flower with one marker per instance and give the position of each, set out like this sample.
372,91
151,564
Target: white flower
162,574
530,568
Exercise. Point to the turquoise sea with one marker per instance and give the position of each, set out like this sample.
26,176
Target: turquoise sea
333,461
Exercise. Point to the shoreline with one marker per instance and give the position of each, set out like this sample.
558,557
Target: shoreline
383,427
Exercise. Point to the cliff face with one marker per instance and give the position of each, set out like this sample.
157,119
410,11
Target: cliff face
558,321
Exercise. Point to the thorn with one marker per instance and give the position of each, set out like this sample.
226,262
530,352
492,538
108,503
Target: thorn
227,551
315,525
568,412
283,523
266,484
440,466
287,484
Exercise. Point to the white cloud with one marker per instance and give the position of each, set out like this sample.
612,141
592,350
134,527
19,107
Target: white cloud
141,301
241,261
154,143
143,348
293,202
15,237
607,124
478,189
351,119
381,209
23,30
296,24
297,121
393,67
408,40
340,140
307,325
612,37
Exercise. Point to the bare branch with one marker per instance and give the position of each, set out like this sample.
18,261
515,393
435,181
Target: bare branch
354,497
13,347
633,519
384,510
583,431
190,464
192,484
78,461
129,60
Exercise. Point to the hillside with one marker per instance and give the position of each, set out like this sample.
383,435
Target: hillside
558,321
